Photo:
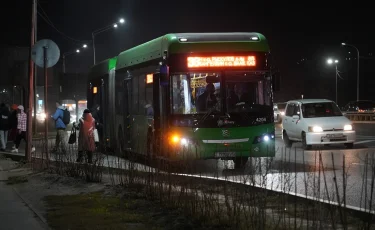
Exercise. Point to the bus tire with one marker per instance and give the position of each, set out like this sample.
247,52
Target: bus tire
240,162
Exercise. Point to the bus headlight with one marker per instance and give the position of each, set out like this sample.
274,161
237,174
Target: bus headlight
264,138
348,127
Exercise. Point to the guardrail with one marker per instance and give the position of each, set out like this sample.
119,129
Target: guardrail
361,117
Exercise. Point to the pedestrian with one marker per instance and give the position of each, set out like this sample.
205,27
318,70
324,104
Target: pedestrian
21,129
60,128
4,126
13,125
86,139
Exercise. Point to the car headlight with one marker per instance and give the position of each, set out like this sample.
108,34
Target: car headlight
315,129
348,127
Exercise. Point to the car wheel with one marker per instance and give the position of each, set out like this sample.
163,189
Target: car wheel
349,145
288,143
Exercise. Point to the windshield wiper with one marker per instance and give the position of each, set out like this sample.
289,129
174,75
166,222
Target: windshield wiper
207,114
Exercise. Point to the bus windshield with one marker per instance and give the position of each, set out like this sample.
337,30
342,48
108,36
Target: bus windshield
247,93
195,93
199,93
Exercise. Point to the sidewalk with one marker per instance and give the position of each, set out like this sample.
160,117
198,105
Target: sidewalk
15,214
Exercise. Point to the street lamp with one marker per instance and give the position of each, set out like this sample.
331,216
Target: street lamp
330,61
98,31
345,44
70,53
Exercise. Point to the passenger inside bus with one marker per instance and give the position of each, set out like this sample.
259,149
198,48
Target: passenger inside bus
207,99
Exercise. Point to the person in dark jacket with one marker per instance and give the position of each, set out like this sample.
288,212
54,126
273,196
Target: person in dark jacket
13,124
4,126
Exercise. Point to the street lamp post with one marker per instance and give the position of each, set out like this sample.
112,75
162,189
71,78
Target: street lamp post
330,62
70,53
345,44
98,31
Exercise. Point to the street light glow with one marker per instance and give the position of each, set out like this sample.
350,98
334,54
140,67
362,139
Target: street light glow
329,61
77,50
336,61
115,25
122,20
84,46
343,43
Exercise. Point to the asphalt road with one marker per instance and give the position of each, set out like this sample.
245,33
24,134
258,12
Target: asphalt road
319,173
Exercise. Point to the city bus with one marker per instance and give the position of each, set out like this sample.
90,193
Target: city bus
189,96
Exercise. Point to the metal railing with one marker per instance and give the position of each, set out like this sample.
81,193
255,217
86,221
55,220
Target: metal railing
360,117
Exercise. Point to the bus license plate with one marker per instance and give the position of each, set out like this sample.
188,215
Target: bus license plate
225,154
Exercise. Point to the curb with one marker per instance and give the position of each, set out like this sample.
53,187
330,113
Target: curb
28,204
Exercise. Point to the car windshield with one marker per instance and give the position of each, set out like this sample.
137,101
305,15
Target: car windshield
365,104
320,109
281,106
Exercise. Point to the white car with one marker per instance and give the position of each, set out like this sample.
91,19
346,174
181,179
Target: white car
316,122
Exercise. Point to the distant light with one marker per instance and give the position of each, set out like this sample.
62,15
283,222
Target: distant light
84,46
183,39
37,95
115,25
122,20
329,61
336,61
343,43
77,51
254,38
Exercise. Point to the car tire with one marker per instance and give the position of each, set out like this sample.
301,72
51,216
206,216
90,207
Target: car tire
288,143
305,146
349,145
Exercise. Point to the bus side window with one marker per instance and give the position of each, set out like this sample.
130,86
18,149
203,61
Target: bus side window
141,94
149,107
135,99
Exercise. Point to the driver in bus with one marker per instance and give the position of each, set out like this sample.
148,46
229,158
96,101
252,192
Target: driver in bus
207,99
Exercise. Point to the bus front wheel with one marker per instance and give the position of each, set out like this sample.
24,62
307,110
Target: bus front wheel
240,162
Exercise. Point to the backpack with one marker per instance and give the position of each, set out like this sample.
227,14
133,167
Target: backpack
66,116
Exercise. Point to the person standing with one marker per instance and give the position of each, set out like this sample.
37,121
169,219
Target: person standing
60,128
13,125
21,129
4,126
86,140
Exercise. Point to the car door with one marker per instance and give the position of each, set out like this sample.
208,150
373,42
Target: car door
296,125
287,121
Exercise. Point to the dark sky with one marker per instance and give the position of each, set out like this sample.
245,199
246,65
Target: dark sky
294,32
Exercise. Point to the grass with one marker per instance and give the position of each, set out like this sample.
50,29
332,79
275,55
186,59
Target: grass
100,211
17,180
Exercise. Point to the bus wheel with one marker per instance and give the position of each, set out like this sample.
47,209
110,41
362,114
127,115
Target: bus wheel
240,162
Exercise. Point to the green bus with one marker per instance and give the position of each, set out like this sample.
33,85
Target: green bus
188,96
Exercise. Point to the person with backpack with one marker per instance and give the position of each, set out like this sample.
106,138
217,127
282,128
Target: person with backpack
62,119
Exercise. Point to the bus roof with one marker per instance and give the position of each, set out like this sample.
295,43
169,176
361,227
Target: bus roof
192,42
102,68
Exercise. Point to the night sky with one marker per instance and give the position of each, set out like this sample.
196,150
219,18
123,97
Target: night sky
294,33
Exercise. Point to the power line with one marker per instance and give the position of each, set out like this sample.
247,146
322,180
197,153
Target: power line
45,17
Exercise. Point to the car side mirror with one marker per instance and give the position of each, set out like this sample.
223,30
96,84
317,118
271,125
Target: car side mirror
295,117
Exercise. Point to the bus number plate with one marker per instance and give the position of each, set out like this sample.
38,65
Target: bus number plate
225,154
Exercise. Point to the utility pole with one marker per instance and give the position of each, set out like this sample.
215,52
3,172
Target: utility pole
31,86
35,67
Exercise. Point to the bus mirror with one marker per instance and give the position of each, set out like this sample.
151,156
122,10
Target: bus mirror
164,75
212,79
276,81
